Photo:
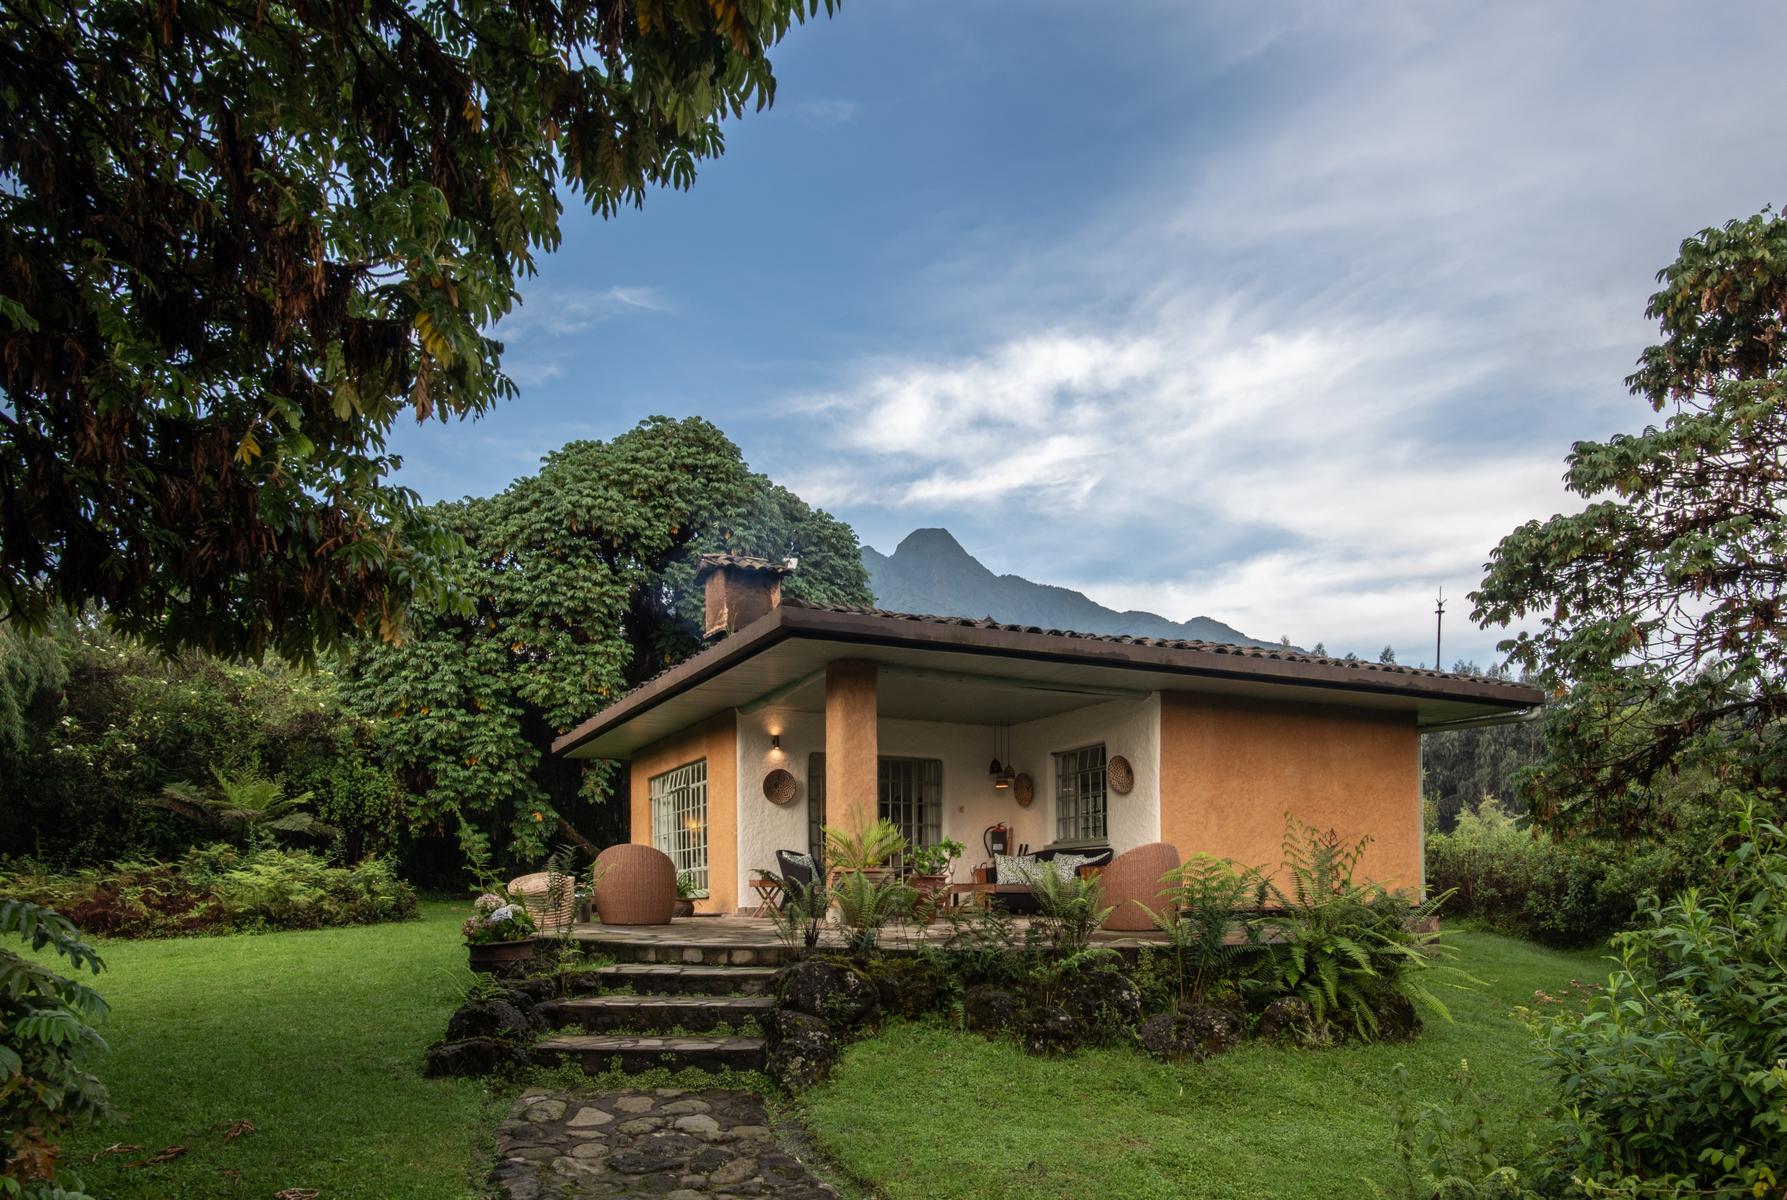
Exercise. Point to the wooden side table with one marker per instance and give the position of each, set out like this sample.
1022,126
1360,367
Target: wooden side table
769,892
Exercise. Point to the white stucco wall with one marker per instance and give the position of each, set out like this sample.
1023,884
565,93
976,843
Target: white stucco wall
1130,728
970,801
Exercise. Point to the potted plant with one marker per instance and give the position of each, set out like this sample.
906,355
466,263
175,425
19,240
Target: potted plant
685,895
929,877
498,932
865,852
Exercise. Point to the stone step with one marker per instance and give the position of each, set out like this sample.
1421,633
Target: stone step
608,1014
685,980
633,1053
689,950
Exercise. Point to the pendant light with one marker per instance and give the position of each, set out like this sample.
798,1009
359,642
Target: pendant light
995,769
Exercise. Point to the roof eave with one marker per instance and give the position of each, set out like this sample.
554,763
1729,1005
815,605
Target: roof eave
881,629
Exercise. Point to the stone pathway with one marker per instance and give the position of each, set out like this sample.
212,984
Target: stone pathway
664,1142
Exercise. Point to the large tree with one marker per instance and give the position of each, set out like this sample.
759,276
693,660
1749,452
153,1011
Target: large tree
238,240
1659,606
581,582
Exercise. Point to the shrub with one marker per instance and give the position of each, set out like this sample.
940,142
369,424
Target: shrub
1352,951
218,889
1210,941
1521,882
1674,1080
46,1040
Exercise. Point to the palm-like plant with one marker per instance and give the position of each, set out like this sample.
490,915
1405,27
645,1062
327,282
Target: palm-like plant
249,808
866,849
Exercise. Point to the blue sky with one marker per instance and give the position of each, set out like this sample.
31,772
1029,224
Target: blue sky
1281,314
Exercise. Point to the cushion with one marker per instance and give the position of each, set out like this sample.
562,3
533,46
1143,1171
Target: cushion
1067,866
1014,868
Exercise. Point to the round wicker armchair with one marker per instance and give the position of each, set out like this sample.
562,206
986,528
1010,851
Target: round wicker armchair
635,885
1132,886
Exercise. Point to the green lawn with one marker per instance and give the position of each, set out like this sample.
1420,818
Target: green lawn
315,1037
927,1112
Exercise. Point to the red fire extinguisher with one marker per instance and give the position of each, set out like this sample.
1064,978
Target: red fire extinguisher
996,839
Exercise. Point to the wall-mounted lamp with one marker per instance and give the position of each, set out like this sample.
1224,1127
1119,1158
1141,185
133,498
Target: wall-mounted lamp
775,741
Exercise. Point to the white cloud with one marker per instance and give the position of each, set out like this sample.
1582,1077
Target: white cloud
556,312
1345,347
827,112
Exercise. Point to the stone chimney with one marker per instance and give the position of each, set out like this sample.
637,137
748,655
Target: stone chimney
739,589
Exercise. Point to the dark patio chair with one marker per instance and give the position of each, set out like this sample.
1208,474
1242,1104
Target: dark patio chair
799,871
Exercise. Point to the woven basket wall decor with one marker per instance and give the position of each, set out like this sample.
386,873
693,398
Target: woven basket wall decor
1023,790
778,785
1120,775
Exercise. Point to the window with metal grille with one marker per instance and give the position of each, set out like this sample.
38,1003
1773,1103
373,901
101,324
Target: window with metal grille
679,820
1079,794
909,793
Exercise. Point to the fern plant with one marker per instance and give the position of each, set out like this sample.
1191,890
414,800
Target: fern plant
801,914
1205,922
865,906
248,807
1347,948
1068,910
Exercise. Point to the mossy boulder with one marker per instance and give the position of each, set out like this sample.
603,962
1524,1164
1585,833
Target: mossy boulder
907,987
1050,1029
802,1049
991,1010
1105,1004
833,989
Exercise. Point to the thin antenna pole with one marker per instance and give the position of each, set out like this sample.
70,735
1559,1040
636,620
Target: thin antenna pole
1439,618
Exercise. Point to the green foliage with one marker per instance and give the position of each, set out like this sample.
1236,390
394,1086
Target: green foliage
99,748
1673,1082
1658,604
1445,1151
865,849
219,889
1520,880
250,808
30,668
581,586
800,917
937,858
866,904
1210,940
1351,950
198,400
1462,767
1068,911
47,1040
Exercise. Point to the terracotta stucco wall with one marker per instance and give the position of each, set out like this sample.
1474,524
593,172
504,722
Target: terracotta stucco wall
716,740
851,746
1230,770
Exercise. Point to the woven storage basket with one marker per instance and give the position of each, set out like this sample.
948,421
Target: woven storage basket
551,910
778,786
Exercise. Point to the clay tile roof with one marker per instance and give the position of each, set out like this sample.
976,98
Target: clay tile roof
1280,653
742,562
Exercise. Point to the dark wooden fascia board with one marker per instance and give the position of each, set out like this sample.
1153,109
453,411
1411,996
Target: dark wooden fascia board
876,629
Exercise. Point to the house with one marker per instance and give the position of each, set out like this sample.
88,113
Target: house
1098,740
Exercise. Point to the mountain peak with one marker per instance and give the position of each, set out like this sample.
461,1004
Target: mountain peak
930,572
932,543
